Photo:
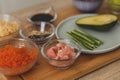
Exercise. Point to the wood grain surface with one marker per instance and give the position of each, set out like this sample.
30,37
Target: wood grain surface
109,72
84,64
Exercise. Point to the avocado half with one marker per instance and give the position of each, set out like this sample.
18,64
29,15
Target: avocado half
98,22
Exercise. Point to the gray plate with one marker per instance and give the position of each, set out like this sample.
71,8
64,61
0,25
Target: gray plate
110,38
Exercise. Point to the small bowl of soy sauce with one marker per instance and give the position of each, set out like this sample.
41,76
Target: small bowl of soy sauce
46,14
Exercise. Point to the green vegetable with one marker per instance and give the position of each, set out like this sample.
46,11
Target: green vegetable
114,5
84,39
98,22
115,2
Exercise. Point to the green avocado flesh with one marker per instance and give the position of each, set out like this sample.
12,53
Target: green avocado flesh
99,22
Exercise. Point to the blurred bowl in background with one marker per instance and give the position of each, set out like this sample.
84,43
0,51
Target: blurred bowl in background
9,27
114,6
40,33
87,5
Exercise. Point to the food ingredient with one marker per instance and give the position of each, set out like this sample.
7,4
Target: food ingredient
42,17
115,6
115,1
7,28
38,35
13,57
60,51
98,22
85,39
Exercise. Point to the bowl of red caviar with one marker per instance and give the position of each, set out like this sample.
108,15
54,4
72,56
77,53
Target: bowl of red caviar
61,53
17,56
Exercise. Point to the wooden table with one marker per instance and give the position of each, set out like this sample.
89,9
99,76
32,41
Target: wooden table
85,63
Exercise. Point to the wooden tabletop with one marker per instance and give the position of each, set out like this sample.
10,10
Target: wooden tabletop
87,67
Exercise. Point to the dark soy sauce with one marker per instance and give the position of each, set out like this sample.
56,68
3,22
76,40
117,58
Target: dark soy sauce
42,17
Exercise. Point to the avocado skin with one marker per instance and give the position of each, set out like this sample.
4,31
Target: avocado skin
104,27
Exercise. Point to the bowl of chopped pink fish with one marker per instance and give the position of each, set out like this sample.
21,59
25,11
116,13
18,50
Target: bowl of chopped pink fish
61,53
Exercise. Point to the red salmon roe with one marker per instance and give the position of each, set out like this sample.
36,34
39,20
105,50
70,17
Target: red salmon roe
12,57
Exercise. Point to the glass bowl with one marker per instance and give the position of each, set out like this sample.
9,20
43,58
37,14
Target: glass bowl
47,14
59,56
87,5
39,34
9,27
114,6
17,60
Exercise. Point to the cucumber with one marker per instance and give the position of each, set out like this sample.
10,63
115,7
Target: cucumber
98,22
